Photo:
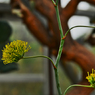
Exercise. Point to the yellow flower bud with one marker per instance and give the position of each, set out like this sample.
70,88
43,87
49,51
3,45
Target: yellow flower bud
91,78
14,51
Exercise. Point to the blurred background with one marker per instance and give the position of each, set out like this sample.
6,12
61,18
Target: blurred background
31,76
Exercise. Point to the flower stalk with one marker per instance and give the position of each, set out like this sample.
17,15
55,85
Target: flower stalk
41,56
76,85
76,27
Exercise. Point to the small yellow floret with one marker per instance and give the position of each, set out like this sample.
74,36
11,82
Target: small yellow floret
14,51
91,78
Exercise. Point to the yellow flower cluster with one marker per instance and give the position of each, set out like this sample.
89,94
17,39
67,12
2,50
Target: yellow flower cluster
14,51
91,78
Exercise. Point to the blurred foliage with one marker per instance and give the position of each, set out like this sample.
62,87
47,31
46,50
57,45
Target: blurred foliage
21,89
5,33
64,80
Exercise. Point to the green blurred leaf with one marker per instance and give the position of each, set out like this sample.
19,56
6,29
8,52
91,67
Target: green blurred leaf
5,32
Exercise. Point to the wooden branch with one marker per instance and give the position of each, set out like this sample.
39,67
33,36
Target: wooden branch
91,38
35,26
81,56
89,1
44,7
70,9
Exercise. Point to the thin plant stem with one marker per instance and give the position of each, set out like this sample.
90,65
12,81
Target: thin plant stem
59,21
54,2
41,56
76,85
57,82
78,26
61,33
57,2
60,50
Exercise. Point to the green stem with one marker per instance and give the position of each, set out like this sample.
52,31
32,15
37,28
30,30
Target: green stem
60,50
61,33
57,2
41,56
56,70
54,2
57,82
59,21
78,26
76,85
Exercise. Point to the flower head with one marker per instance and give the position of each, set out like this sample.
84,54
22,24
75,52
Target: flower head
14,51
91,78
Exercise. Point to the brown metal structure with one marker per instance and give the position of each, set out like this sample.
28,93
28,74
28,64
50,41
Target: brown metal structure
72,51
